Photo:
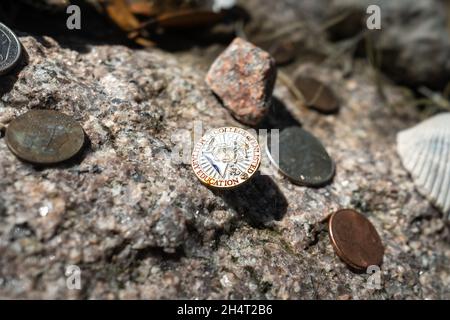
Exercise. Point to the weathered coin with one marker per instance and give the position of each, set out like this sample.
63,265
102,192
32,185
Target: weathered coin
44,137
226,157
301,157
355,239
10,49
317,95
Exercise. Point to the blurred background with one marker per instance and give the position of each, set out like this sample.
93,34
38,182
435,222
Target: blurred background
412,47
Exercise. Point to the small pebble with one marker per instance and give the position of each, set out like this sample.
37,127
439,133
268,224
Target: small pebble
243,77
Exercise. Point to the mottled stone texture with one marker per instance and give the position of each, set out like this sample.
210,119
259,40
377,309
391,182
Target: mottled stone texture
243,77
140,225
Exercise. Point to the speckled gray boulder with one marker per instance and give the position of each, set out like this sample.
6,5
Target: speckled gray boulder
139,225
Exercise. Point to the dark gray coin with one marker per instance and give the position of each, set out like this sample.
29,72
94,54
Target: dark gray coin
301,157
10,49
44,137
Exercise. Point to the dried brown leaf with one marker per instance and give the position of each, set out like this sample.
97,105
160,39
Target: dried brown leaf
120,13
188,19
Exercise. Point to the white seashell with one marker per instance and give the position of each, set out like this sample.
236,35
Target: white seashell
425,153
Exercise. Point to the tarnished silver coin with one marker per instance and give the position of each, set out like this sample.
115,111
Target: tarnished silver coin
301,157
226,157
10,49
44,137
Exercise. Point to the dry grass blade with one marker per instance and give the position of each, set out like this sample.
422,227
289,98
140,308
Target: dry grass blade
317,95
374,58
435,98
280,33
334,21
347,46
286,80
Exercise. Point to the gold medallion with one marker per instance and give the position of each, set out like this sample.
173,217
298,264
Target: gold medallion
226,157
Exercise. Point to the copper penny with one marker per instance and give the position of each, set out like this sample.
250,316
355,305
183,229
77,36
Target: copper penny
317,95
44,137
355,239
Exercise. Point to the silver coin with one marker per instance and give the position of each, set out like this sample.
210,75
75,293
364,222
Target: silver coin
44,137
10,49
226,157
301,157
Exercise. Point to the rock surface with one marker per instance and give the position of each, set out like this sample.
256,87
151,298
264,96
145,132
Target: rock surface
243,77
135,220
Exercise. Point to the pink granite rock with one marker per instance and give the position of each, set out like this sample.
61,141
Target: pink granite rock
243,77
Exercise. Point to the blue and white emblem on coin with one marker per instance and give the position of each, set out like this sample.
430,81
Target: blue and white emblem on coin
226,157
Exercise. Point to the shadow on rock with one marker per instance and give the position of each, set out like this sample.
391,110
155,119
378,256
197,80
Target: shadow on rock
259,201
278,117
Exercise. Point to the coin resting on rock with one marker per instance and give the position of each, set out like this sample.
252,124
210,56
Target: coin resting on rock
317,95
301,157
226,157
44,137
10,49
355,239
